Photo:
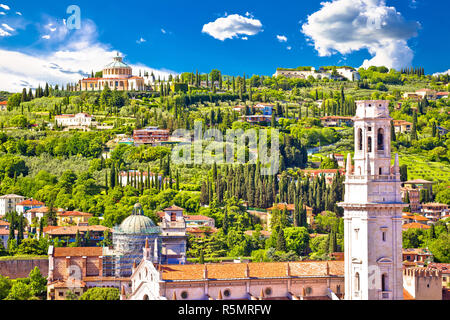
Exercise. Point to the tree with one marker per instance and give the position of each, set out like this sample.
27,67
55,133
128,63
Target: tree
441,248
38,283
19,291
5,286
404,172
101,294
297,239
281,241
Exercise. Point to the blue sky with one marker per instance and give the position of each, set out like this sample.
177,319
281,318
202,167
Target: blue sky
254,37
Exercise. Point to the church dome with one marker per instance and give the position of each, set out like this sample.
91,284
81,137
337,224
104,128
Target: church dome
117,69
137,223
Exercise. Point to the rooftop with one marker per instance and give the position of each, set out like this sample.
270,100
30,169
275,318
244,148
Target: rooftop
256,270
78,251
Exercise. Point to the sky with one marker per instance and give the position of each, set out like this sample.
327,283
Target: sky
40,41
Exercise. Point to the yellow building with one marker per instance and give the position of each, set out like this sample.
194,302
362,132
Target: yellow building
73,218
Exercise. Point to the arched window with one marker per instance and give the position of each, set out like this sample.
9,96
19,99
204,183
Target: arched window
357,285
369,144
360,139
380,139
384,282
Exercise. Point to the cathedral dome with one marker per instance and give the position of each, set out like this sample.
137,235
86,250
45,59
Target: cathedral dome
137,223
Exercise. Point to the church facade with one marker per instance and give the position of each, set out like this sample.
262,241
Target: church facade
373,209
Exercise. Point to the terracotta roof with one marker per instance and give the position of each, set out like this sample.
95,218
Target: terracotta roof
73,230
30,202
74,214
434,204
407,296
3,103
78,251
201,230
444,267
282,206
197,217
257,270
44,210
173,208
419,251
4,223
419,218
400,122
415,225
50,228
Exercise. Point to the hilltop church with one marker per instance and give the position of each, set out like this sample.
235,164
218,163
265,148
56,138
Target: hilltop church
117,76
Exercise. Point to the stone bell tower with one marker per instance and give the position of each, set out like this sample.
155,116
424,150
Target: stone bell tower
373,209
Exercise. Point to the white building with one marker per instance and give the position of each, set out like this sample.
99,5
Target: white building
349,73
74,120
373,210
8,203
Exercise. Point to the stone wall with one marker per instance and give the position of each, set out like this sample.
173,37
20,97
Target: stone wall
21,268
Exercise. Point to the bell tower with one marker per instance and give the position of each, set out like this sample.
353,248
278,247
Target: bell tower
373,209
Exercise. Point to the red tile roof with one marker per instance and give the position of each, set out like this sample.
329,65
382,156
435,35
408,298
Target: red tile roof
72,230
415,225
256,270
173,208
197,217
74,214
30,202
4,103
78,251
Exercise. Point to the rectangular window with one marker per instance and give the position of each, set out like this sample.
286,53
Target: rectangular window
384,236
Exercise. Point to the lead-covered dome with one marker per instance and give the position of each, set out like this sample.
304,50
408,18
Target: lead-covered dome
137,223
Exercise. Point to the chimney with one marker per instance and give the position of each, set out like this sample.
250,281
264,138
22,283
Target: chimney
261,295
328,269
247,271
288,270
219,296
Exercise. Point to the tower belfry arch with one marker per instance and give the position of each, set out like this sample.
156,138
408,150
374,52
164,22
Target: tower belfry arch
372,209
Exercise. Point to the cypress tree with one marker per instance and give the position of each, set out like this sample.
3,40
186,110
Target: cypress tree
281,241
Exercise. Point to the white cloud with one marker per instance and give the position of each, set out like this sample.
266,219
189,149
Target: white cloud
46,37
5,26
77,54
2,13
244,38
163,31
282,38
4,6
141,40
346,26
442,73
4,33
289,47
18,13
231,26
